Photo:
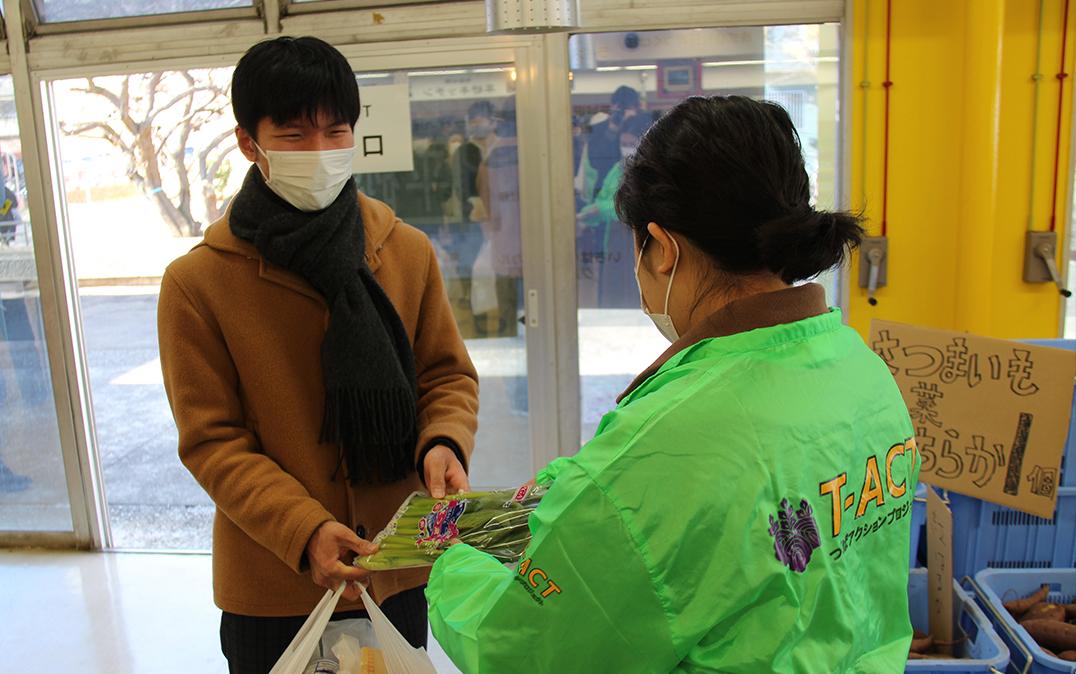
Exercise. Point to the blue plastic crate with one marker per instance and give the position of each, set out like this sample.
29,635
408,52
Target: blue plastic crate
982,651
998,586
990,536
1068,477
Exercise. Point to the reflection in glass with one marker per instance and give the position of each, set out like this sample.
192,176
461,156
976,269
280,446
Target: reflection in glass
33,490
621,83
464,195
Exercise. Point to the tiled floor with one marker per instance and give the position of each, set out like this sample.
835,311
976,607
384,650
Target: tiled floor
114,613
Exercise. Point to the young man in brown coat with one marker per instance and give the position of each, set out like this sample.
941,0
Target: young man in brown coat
312,362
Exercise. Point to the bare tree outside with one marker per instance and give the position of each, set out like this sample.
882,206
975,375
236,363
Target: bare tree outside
152,119
51,11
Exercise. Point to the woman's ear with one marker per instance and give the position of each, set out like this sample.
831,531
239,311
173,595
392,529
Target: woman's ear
666,247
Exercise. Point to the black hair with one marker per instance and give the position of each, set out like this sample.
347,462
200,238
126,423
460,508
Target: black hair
424,128
728,174
625,97
291,78
482,109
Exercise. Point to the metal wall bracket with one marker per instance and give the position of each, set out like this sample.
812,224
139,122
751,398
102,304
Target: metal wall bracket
873,265
1039,264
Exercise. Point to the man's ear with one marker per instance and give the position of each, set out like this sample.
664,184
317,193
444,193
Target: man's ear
246,144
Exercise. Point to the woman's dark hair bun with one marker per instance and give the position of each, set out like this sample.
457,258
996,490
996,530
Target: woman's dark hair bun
807,242
727,173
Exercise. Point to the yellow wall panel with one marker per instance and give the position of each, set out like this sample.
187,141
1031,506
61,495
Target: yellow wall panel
960,159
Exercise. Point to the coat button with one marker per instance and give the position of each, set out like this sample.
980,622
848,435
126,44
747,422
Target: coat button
360,531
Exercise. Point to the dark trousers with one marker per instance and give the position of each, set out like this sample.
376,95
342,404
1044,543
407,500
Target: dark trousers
253,645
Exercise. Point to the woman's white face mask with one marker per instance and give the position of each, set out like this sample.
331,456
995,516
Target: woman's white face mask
663,322
308,180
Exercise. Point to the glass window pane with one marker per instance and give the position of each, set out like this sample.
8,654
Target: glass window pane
464,194
1069,330
139,193
55,11
33,489
1070,303
616,76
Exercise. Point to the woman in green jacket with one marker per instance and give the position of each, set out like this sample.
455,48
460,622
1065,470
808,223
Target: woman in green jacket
616,287
745,507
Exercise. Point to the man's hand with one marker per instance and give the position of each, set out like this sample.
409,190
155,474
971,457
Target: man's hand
330,551
442,471
589,214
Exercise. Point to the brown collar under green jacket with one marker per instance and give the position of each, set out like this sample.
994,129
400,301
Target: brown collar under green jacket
764,310
240,344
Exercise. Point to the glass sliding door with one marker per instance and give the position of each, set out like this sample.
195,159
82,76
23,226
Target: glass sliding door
463,192
33,488
621,83
148,161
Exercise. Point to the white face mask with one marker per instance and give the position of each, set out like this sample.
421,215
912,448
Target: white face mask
663,322
626,151
308,180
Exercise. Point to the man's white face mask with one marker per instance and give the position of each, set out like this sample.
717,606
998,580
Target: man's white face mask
308,180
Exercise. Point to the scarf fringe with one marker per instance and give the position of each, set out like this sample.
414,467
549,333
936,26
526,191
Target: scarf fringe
376,432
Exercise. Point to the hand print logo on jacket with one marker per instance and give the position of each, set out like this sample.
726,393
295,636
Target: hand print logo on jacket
440,526
795,535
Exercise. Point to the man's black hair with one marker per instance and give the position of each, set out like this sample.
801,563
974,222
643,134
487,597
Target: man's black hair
625,98
482,109
291,78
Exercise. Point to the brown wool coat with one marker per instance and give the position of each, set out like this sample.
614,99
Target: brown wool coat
240,344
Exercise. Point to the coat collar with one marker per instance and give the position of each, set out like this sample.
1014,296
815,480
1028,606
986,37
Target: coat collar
378,220
765,310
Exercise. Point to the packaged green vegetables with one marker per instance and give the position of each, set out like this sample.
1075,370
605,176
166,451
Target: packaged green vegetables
494,522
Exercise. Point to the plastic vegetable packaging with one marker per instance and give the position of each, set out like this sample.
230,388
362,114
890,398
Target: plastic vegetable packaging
494,522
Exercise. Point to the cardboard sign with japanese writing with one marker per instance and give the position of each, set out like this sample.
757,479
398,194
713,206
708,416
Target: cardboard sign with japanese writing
383,132
991,416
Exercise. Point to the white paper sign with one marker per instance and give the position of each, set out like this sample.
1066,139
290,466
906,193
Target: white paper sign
383,133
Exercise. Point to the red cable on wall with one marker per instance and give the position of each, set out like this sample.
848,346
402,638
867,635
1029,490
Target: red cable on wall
886,85
1061,76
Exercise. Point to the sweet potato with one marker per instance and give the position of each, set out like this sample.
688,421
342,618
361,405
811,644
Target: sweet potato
1052,634
1067,655
1044,611
1019,607
1070,611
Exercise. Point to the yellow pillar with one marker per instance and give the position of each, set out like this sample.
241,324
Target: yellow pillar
978,196
960,164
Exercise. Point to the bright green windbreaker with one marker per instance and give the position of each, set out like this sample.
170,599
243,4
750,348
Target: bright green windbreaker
746,509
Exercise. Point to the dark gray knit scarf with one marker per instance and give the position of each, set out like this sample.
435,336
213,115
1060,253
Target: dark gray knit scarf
366,359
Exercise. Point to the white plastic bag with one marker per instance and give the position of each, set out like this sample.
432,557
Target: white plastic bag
483,281
298,652
400,656
343,643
